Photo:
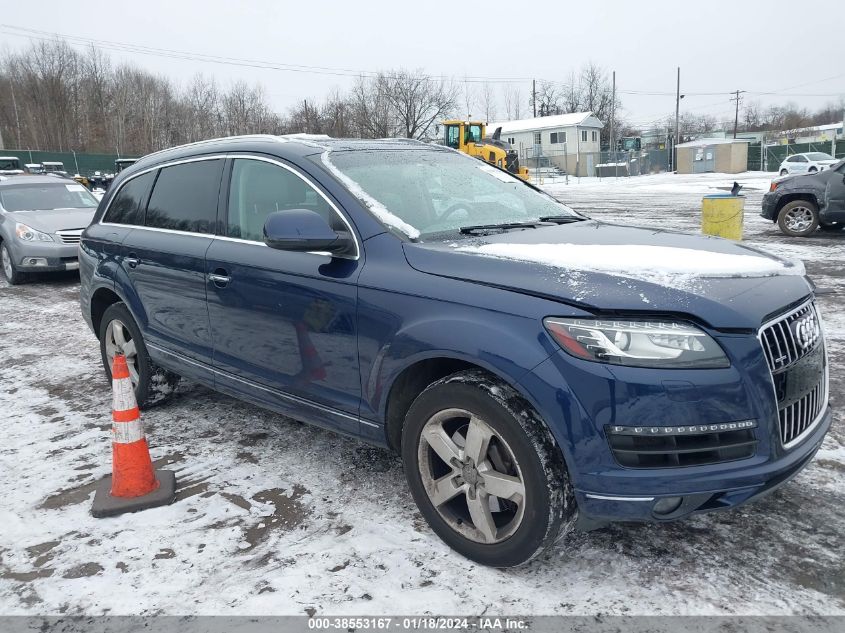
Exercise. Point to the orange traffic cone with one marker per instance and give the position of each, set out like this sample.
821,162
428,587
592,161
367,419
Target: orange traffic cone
134,485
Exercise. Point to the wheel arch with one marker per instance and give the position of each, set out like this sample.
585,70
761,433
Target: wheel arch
102,298
792,197
423,371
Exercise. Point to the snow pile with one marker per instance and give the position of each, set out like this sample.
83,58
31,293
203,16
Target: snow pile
657,264
378,209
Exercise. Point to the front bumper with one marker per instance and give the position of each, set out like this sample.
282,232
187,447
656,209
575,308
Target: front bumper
747,484
582,400
769,207
44,256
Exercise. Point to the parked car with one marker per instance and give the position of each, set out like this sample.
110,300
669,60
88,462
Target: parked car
801,204
41,219
10,165
33,168
806,163
54,167
530,365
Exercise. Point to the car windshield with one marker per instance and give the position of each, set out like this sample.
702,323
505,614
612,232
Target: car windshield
425,192
819,156
46,196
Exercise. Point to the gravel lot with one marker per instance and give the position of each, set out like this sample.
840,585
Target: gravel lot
274,517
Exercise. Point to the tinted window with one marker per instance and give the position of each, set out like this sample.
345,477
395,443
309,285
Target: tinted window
127,207
259,188
185,197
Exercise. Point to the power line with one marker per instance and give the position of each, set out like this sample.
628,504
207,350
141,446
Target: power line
37,34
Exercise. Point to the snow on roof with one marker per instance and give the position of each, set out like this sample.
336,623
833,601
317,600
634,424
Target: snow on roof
701,142
545,122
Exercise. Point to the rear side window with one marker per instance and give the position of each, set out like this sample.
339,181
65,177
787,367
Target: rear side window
185,197
127,207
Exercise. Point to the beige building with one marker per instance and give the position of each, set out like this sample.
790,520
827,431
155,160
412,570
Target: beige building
722,155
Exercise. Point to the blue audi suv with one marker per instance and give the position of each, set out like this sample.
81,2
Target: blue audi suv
538,371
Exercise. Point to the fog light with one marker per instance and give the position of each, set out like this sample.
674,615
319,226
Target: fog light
34,261
667,505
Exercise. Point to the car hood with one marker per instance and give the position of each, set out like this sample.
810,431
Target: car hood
814,179
606,268
50,221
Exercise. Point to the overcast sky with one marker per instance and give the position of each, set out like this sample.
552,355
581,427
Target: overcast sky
771,46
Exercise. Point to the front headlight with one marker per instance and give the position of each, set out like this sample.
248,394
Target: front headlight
637,343
29,234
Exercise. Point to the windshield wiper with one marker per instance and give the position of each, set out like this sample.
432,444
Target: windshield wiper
505,226
562,219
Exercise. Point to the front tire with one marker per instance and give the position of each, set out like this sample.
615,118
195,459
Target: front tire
783,172
485,471
798,218
10,271
119,334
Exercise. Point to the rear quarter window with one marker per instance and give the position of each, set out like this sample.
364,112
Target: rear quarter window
127,207
184,197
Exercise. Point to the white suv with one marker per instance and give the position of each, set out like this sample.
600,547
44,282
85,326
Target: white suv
808,163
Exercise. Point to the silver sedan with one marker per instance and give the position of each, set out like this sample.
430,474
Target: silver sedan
41,219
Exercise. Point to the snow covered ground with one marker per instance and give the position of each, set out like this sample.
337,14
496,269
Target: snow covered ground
274,517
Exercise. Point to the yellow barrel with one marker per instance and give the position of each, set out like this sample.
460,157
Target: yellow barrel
722,215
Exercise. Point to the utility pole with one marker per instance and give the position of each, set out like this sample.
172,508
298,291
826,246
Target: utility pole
677,121
534,96
612,114
738,99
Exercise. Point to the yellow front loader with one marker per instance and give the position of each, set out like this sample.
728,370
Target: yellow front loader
468,137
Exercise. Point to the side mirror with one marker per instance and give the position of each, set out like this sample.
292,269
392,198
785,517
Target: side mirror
304,230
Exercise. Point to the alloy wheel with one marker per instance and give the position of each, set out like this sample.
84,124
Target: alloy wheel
7,262
471,476
798,219
119,341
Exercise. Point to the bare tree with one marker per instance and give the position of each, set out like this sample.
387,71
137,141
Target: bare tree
548,96
418,100
487,100
513,102
371,108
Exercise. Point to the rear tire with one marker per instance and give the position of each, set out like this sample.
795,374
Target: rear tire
120,334
503,496
10,271
798,218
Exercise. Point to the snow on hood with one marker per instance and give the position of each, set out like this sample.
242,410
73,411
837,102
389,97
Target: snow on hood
665,265
377,208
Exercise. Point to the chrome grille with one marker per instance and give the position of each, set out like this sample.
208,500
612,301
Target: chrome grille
70,236
781,341
794,349
796,418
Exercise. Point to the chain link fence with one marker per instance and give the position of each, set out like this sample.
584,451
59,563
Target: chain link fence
769,157
549,165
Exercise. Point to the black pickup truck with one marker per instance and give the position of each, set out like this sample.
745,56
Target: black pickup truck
802,203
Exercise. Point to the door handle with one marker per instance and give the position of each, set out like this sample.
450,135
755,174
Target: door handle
132,261
219,280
